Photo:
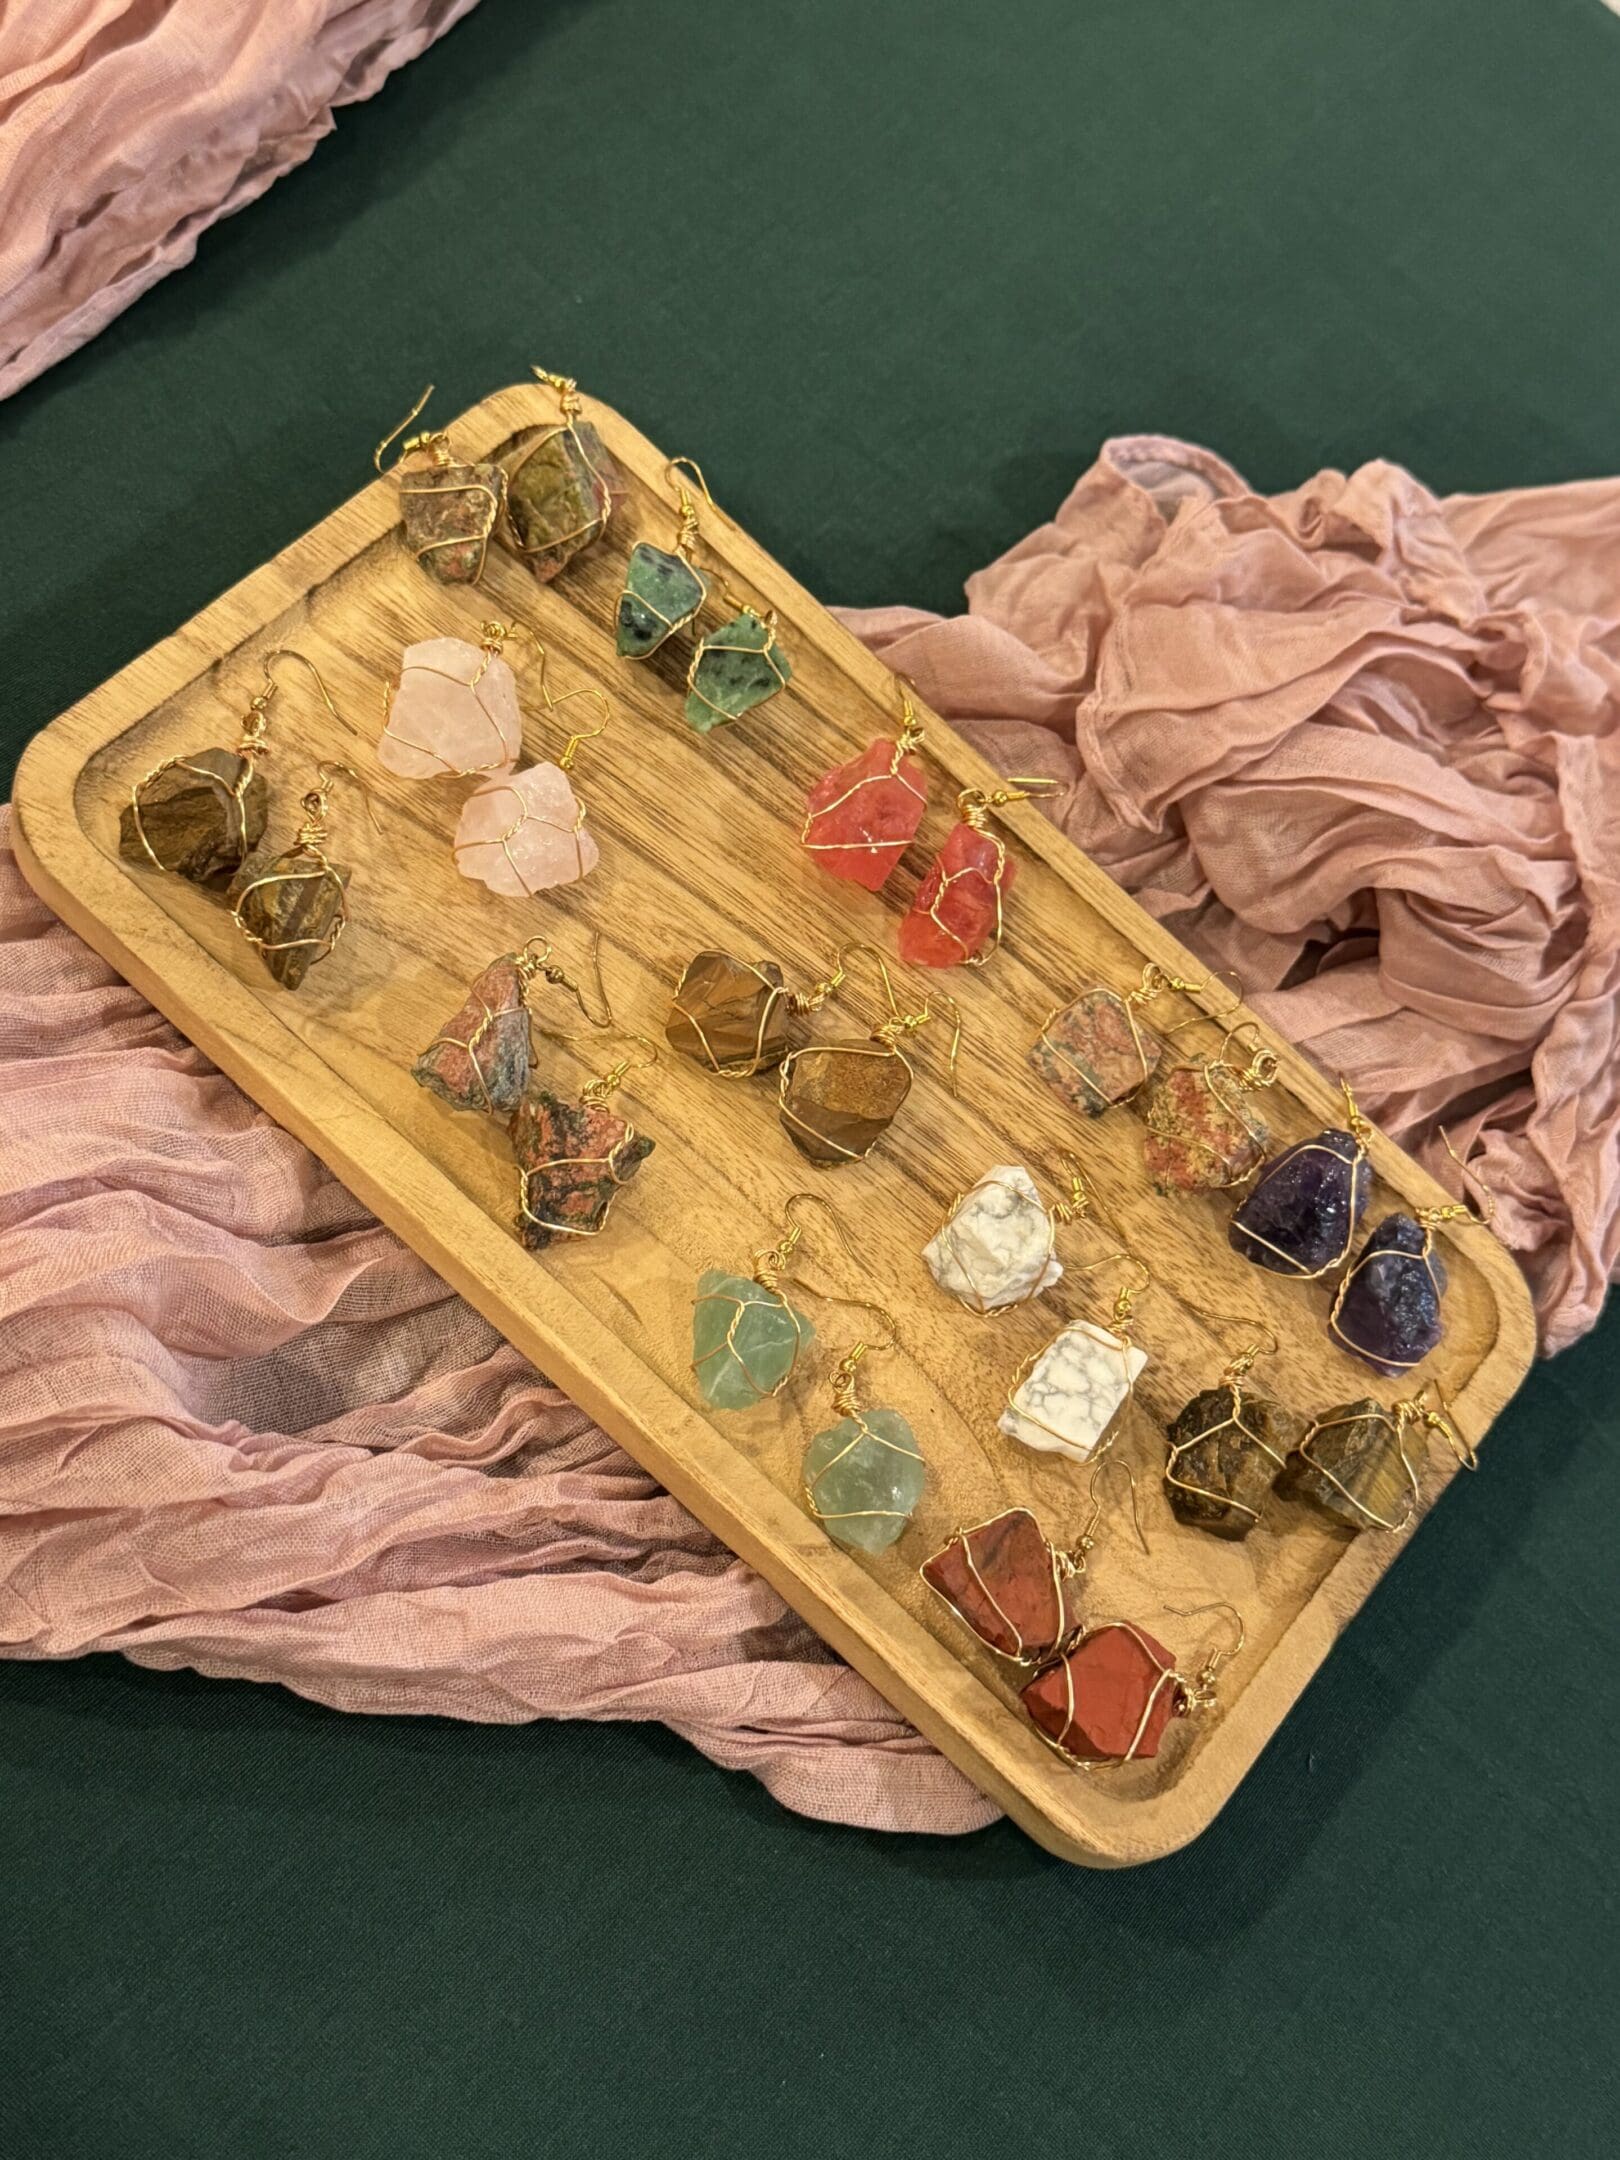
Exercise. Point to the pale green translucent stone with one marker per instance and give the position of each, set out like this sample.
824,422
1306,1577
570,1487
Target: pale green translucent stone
738,667
863,1477
746,1340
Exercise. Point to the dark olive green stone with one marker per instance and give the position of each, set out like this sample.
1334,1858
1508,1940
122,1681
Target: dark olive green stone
193,821
1232,1465
449,512
736,668
559,496
293,911
661,593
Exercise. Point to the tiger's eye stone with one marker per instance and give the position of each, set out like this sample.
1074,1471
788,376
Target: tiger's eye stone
1088,1055
560,487
572,1158
293,911
1301,1216
449,512
839,1098
662,592
1221,1467
194,820
863,1478
736,668
1388,1308
1352,1468
1108,1699
1003,1580
1196,1142
480,1058
746,1340
729,1016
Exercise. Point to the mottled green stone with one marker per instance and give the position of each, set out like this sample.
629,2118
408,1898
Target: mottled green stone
736,668
661,593
559,496
746,1340
863,1477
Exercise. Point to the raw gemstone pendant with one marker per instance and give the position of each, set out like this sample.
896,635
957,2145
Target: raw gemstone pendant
730,1016
1353,1467
572,1159
521,833
1070,1395
1095,1053
1109,1699
293,913
480,1058
863,1478
1301,1217
662,593
1227,1450
1388,1307
956,915
838,1099
995,1246
453,713
1005,1581
1198,1141
862,816
200,816
735,668
746,1340
449,512
560,489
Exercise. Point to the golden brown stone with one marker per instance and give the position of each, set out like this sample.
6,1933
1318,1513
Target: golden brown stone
200,816
729,1016
1353,1466
1226,1453
838,1099
293,911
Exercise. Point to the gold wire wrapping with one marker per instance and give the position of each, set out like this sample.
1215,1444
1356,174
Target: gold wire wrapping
875,1048
1194,1692
863,1432
727,1346
1154,983
569,408
492,637
1397,1421
434,444
1065,1211
527,1217
1066,1566
319,871
1361,1132
1117,1338
766,652
1233,1422
973,807
1229,1086
911,738
526,816
737,1068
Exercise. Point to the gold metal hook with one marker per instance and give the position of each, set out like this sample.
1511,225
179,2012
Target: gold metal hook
770,1260
1075,1206
533,963
1202,1686
433,439
973,804
256,719
1237,1368
1263,1066
1099,1470
596,1092
1437,1416
676,470
1360,1129
843,1378
1127,1294
1467,1209
911,735
568,398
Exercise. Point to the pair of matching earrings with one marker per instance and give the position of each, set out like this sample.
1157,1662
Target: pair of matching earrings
732,669
201,815
863,1475
574,1155
454,714
553,498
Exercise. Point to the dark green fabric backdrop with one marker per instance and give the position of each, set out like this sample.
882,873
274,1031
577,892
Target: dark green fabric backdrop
892,272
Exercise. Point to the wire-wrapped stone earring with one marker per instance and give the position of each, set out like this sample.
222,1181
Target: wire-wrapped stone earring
735,1017
1095,1052
862,815
663,591
521,833
997,1245
1387,1310
483,1056
747,1336
1355,1464
294,913
837,1099
1065,1399
1109,1698
957,918
1300,1217
864,1475
448,507
1201,1134
453,713
561,486
575,1157
1228,1447
735,668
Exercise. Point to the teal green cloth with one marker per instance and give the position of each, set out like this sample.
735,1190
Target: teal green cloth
892,273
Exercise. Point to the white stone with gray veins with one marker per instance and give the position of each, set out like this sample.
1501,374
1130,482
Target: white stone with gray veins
1072,1391
997,1248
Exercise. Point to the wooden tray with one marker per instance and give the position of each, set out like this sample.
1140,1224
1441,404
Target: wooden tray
699,847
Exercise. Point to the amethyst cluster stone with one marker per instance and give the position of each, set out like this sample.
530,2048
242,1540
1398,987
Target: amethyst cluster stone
1388,1307
1301,1217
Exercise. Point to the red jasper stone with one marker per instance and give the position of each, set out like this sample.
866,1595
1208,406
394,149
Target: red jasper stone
862,816
1109,1699
957,911
1003,1580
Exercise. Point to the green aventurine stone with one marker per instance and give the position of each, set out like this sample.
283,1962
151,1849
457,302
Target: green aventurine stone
863,1477
737,668
745,1340
661,592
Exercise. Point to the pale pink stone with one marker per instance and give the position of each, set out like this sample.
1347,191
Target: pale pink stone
453,711
525,832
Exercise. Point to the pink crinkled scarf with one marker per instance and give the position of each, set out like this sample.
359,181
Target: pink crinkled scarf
1358,743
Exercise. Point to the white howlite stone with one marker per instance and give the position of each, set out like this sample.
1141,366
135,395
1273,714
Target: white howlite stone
997,1247
1072,1391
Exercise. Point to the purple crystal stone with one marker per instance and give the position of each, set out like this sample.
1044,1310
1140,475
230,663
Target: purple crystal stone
1388,1312
1302,1215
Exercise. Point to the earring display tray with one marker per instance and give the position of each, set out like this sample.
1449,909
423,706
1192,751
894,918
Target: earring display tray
699,848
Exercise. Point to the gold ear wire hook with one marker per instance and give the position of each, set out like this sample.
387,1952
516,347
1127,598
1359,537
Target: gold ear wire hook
1482,1212
532,963
1238,1367
313,832
432,439
911,735
254,725
1099,1470
1439,1417
772,1259
1200,1688
1359,1128
568,398
1263,1066
596,1092
1075,1205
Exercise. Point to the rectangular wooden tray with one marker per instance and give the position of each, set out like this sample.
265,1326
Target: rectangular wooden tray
699,847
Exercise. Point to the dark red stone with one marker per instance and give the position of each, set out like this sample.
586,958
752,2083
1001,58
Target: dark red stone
1003,1580
957,912
1109,1699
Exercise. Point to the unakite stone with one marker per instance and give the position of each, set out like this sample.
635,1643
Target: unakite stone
735,669
1090,1054
449,512
1226,1453
293,911
200,816
1351,1466
559,496
480,1058
746,1340
1198,1140
661,593
863,1478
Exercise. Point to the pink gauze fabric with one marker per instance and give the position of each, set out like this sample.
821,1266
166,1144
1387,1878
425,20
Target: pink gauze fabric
1357,742
127,127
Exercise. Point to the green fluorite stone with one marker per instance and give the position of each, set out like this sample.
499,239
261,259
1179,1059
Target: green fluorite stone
738,667
863,1477
661,592
745,1340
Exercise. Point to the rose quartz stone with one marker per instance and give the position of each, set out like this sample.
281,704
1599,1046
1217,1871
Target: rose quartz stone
524,832
447,718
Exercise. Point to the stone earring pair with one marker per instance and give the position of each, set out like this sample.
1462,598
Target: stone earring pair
732,669
294,912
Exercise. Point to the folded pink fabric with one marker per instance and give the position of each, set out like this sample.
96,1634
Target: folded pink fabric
1363,746
128,126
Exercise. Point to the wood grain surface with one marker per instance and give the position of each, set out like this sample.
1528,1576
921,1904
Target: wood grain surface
699,848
